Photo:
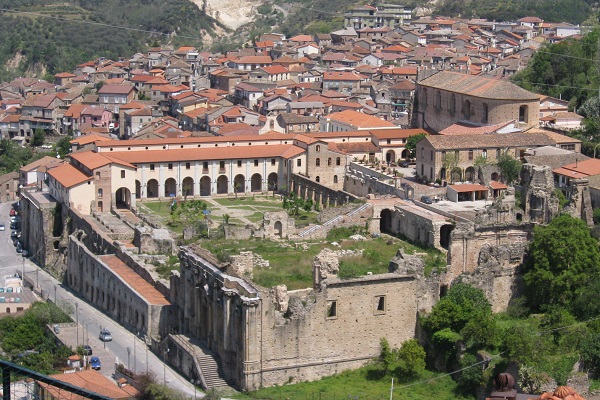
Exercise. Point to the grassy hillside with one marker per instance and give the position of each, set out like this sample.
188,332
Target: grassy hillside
49,36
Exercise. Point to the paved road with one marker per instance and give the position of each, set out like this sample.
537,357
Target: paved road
89,317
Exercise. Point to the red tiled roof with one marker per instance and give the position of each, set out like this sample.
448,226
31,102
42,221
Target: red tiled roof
139,284
68,176
469,187
497,185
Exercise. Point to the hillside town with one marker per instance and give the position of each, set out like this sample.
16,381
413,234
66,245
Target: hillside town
404,126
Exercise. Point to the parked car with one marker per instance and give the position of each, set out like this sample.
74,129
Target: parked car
87,350
2,227
19,247
404,164
426,200
95,363
105,335
14,234
12,212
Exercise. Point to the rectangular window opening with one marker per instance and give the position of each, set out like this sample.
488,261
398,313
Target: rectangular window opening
331,308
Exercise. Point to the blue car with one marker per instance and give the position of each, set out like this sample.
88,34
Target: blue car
95,363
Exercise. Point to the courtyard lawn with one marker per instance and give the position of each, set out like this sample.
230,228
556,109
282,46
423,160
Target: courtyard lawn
364,384
274,203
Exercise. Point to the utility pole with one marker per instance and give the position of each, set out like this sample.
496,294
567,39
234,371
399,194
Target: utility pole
77,321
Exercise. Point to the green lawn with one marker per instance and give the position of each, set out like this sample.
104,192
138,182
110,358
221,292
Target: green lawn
364,384
261,201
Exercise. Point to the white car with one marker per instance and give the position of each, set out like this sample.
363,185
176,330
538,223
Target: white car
2,227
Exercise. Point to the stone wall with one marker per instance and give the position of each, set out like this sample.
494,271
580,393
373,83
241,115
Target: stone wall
537,196
270,336
362,181
96,283
319,193
489,257
42,228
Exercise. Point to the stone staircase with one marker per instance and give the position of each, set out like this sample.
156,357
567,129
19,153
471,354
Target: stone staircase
306,232
206,362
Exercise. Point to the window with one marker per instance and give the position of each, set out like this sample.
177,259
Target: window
318,162
272,161
318,179
299,162
457,155
170,166
523,114
389,141
239,163
188,165
256,163
467,109
151,167
452,103
486,112
338,161
335,179
221,164
99,193
318,148
123,173
331,311
205,165
484,153
97,175
329,162
470,155
497,153
380,305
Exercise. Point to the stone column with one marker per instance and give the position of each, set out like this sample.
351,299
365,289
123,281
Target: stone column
251,346
227,302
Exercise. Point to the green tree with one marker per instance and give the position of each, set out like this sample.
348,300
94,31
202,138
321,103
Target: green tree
449,162
39,136
590,353
63,147
563,258
411,143
411,359
510,168
462,304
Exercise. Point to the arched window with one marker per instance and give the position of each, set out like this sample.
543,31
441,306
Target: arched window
338,161
100,191
523,114
467,109
329,162
318,179
318,162
318,148
486,112
335,179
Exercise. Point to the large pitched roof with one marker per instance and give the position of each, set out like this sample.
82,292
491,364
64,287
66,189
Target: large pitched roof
477,86
360,120
68,176
456,142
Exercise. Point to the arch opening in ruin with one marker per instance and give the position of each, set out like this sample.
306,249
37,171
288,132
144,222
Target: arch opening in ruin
123,198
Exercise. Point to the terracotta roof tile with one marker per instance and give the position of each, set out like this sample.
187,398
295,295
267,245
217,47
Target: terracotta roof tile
68,176
139,284
477,86
90,380
469,187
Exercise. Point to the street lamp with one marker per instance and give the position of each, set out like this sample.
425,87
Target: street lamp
54,294
128,354
165,366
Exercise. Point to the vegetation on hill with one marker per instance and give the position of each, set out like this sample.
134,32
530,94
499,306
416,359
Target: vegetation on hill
50,36
573,11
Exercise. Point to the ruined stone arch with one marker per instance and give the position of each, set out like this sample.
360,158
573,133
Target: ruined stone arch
123,198
385,221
